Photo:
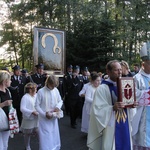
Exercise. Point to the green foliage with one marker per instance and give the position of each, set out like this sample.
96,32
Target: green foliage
96,31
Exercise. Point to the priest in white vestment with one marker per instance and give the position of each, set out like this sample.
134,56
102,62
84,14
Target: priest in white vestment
105,131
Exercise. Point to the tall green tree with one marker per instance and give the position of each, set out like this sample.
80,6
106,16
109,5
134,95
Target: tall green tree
96,30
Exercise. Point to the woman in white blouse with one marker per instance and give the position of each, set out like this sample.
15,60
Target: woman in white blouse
29,123
89,94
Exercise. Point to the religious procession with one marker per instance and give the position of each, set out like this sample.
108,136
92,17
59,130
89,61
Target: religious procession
112,107
74,75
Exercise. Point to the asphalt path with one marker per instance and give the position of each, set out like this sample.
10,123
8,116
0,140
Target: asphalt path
71,139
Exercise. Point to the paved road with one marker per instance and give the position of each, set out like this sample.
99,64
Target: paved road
71,139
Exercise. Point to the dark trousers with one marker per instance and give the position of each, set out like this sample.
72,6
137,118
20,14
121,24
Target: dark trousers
75,110
66,104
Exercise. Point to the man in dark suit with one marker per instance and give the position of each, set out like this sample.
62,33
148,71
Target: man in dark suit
66,85
39,77
85,72
24,72
61,87
17,89
75,101
69,70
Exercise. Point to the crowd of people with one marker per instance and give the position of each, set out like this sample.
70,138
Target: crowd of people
88,95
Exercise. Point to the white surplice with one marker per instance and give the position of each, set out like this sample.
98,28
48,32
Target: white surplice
90,90
83,91
48,100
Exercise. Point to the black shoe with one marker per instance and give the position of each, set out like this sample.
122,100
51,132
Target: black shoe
73,126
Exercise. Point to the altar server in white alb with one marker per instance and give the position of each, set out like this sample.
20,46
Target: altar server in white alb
110,122
48,104
141,121
89,94
29,123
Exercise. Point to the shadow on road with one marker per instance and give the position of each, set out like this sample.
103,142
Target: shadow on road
71,139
